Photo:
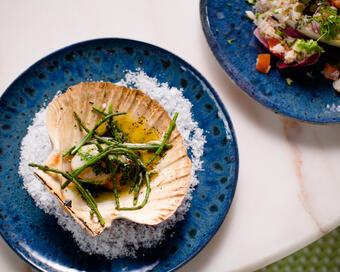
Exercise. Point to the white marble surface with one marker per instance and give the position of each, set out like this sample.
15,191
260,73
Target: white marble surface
288,191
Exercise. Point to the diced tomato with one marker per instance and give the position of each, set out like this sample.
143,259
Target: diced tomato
336,3
109,185
273,41
263,63
331,72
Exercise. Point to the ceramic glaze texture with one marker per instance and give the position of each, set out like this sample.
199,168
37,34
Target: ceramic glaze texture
35,235
230,36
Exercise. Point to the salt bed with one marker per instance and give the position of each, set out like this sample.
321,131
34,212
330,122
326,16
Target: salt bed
123,238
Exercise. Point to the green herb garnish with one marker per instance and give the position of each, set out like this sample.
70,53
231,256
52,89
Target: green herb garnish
251,2
289,81
279,32
311,46
84,156
230,41
329,22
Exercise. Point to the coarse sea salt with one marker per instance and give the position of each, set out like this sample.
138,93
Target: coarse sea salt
333,107
123,238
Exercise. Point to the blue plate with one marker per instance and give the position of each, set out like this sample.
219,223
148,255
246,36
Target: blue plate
36,236
230,36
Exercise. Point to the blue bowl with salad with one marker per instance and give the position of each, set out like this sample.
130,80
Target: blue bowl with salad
283,53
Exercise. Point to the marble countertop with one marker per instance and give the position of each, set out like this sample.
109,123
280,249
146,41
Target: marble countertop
288,189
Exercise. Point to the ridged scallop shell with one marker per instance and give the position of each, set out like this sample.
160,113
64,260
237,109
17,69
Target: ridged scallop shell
168,188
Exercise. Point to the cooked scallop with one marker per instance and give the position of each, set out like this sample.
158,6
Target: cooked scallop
80,158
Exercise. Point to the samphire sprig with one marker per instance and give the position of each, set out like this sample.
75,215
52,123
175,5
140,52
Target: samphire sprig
110,148
84,193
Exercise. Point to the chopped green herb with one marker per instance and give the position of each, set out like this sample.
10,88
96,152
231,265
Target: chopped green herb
310,46
229,5
283,42
289,81
99,168
279,32
127,171
297,25
329,21
257,15
251,2
230,41
84,156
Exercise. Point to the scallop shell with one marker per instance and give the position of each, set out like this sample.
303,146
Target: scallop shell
168,188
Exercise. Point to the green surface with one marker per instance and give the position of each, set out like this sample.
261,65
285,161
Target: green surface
323,255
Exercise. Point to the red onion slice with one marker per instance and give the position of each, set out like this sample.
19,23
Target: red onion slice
315,27
306,62
292,32
263,40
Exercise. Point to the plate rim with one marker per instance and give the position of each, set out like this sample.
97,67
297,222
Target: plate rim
218,102
228,69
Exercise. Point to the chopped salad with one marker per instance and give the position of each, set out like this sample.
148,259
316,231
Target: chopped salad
292,31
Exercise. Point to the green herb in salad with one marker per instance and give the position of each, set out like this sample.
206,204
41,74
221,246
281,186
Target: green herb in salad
329,21
251,2
279,32
310,46
230,41
289,81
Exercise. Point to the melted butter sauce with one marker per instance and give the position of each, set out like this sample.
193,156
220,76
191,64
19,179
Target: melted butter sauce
137,132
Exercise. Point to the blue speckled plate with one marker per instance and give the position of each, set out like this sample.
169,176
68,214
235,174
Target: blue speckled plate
36,236
308,99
